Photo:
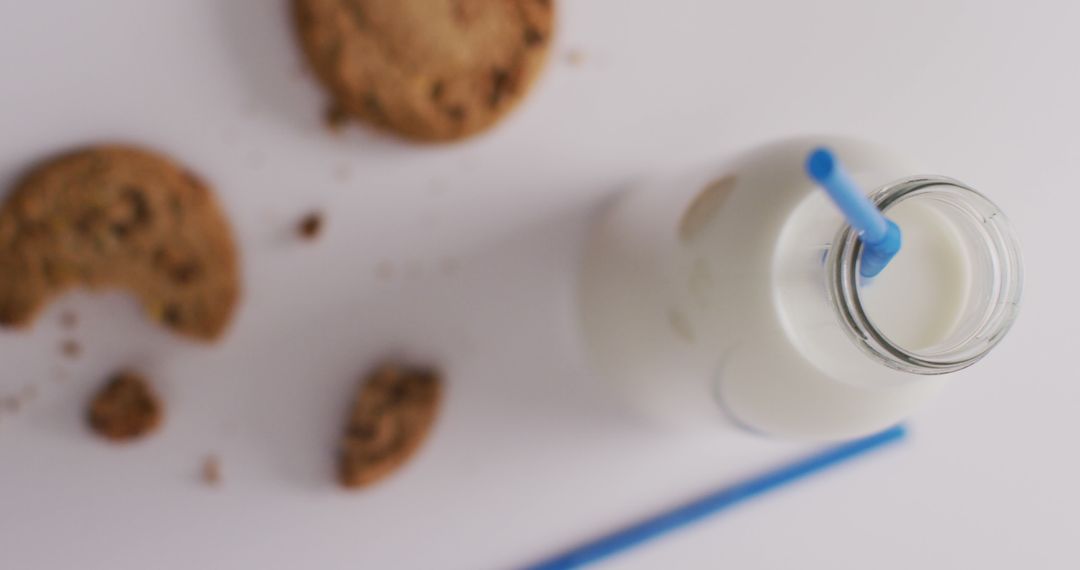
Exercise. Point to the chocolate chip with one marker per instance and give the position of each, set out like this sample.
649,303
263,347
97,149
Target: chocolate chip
437,89
132,211
500,86
86,221
373,105
533,37
302,13
456,113
139,205
171,315
356,13
120,230
163,256
181,268
464,11
186,272
48,270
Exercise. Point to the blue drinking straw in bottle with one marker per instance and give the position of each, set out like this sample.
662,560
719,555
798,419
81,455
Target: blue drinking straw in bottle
879,235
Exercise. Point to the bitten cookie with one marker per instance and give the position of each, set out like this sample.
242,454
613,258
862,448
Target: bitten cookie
388,423
125,408
431,70
118,217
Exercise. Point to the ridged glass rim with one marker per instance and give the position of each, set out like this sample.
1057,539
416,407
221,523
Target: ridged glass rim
998,310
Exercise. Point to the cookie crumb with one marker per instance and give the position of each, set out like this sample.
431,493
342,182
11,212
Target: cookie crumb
310,226
125,408
448,266
211,471
384,271
533,37
575,57
388,423
28,394
71,348
69,319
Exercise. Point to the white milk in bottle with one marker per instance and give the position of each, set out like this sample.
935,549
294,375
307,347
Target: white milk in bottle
733,294
919,297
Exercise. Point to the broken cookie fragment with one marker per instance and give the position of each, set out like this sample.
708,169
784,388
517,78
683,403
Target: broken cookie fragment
388,423
125,409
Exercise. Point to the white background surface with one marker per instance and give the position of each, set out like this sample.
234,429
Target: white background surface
481,236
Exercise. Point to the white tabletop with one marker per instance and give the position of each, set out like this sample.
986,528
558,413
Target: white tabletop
480,239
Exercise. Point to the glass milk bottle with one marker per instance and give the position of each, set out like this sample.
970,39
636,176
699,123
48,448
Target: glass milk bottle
733,294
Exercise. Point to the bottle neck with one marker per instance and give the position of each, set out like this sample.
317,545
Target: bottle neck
991,252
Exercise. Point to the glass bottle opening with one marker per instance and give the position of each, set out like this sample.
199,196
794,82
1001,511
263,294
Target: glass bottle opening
995,281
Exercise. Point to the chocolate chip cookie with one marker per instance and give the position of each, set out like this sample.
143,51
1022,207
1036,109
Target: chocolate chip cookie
431,70
108,217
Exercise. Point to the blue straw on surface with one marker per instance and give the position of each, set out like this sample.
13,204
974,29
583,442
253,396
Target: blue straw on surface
715,502
879,235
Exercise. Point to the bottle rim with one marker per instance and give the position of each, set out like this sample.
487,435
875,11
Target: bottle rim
990,313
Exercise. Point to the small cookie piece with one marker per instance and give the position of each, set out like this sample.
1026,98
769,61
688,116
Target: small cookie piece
431,70
310,226
118,217
211,471
125,408
389,421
